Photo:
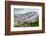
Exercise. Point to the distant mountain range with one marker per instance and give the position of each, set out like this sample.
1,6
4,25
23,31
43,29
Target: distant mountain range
27,17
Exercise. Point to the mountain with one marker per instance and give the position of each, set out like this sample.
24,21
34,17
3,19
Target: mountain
27,17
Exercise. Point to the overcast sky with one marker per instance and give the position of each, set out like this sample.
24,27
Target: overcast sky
24,10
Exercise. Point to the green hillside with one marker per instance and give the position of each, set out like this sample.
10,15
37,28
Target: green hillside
33,24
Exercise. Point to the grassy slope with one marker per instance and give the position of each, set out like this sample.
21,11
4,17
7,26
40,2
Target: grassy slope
33,24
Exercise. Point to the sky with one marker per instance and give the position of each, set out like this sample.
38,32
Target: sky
24,10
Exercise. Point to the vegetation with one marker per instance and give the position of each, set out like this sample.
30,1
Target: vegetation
33,24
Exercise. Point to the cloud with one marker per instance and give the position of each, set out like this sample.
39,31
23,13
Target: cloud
24,10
